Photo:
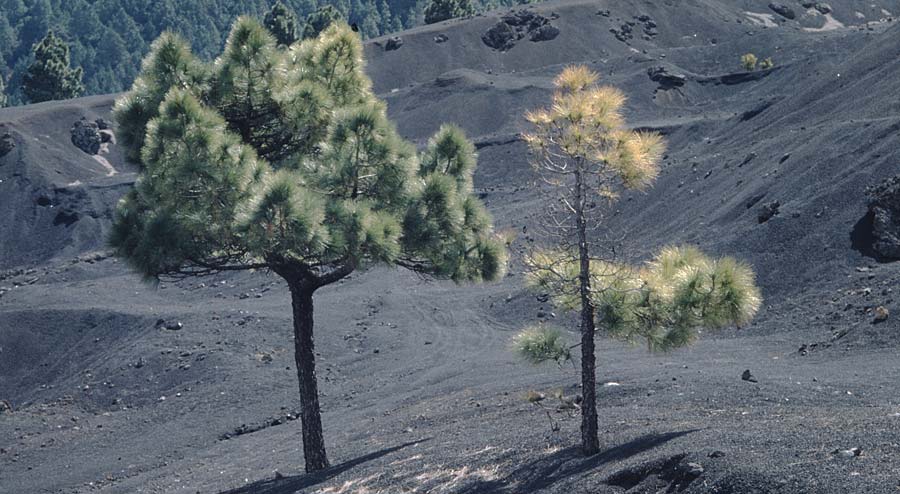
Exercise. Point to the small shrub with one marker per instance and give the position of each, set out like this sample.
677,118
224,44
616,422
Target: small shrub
766,64
748,62
539,344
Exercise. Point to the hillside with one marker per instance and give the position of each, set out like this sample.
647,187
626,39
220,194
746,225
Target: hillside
420,391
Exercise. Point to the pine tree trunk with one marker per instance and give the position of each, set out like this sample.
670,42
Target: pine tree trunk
304,355
590,440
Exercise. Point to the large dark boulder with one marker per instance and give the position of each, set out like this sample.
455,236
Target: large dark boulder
783,10
86,136
884,206
500,37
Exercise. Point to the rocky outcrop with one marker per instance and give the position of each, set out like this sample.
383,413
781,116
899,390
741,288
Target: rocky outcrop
665,78
783,10
86,136
7,144
393,43
518,25
884,207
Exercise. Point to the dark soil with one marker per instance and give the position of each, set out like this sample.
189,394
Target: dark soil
420,392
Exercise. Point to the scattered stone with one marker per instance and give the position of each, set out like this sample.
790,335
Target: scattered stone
716,454
393,43
5,407
884,207
881,314
278,475
603,13
783,10
768,211
140,363
693,469
847,453
86,136
7,144
441,38
823,8
747,159
747,376
174,326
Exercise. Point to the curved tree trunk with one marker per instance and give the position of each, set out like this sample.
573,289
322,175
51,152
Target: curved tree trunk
590,440
304,355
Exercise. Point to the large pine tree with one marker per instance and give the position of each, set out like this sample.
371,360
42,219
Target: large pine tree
285,160
49,76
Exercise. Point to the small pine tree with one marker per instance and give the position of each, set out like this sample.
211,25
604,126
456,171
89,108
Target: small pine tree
282,22
285,160
49,76
582,148
748,62
319,20
441,10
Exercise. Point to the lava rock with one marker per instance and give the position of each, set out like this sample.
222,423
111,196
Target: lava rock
546,32
501,37
824,8
768,211
747,376
884,207
393,43
7,144
86,136
174,326
441,38
667,80
783,10
517,25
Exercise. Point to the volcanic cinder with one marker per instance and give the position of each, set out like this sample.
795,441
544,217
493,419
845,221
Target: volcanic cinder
114,385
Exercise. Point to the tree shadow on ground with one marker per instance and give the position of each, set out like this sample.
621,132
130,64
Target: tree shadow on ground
566,463
293,484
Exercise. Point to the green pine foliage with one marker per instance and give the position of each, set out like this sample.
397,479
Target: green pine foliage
318,21
49,76
333,181
441,10
282,22
109,38
665,304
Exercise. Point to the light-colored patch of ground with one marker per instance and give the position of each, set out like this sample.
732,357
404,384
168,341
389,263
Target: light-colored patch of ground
760,19
110,170
859,15
887,12
830,25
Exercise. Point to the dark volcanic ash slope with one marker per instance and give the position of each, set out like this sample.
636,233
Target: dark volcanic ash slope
420,392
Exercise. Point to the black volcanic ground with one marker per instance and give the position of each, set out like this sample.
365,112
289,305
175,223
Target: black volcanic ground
420,391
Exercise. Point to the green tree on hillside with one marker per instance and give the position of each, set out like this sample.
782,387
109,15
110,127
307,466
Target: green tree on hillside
441,10
318,21
281,21
49,76
583,150
285,160
2,91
